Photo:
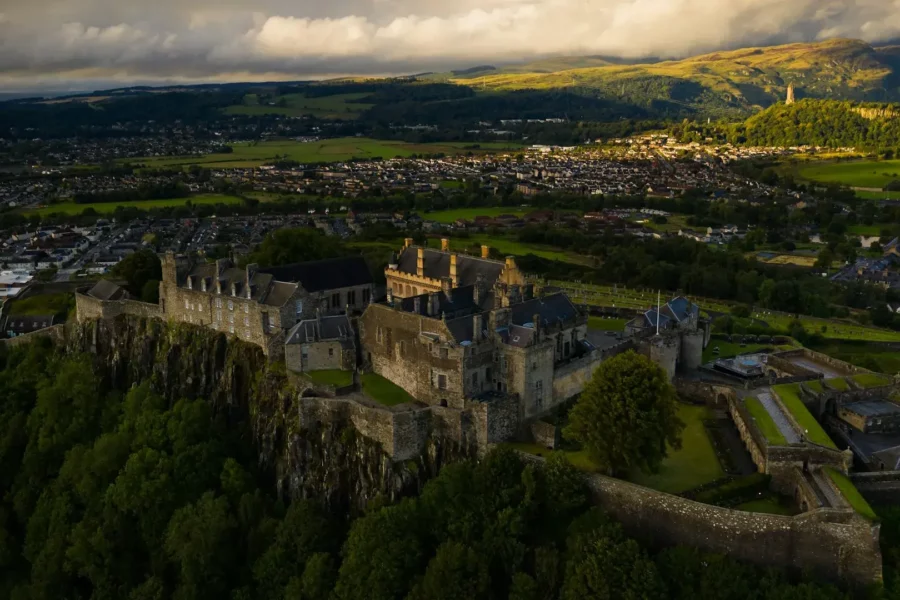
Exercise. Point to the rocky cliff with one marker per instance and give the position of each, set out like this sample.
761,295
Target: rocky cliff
328,459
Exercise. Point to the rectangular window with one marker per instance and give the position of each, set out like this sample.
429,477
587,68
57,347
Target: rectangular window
230,305
566,349
187,304
442,382
246,321
379,335
351,298
336,300
246,308
199,308
231,319
366,296
539,390
475,379
298,308
218,303
267,322
231,329
330,352
445,353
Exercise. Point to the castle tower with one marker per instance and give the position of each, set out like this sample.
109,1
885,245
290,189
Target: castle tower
790,93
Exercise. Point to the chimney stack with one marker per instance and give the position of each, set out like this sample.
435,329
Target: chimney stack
420,263
434,304
477,328
453,272
407,242
536,319
485,252
445,245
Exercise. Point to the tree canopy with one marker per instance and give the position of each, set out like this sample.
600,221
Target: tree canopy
627,415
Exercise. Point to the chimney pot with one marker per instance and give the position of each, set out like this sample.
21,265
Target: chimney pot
445,245
485,252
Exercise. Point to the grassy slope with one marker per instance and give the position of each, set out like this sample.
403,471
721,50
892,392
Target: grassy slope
861,173
748,77
851,494
45,304
871,380
764,421
790,396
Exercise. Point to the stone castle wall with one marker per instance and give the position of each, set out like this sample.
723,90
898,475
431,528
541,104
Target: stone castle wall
569,380
90,308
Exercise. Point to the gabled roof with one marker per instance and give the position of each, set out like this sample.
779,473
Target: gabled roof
107,290
461,301
321,275
325,328
552,309
437,265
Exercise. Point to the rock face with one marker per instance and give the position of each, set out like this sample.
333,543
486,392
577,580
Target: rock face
327,460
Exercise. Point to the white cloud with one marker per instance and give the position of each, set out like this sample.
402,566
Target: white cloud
199,38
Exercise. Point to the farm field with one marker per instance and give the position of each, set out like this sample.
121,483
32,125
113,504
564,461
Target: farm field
71,208
508,246
255,154
878,195
861,173
451,216
341,106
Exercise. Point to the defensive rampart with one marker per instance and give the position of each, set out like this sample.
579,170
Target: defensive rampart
90,308
834,544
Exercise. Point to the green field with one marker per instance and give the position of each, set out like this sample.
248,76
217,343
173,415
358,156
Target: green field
878,195
871,356
383,391
772,505
70,208
834,329
509,246
764,421
867,230
44,304
790,396
695,464
341,106
607,324
468,214
331,377
860,173
871,380
254,154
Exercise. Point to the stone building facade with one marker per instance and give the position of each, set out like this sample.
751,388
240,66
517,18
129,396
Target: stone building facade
417,270
672,335
323,343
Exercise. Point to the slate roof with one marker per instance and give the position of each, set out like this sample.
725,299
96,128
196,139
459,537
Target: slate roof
461,301
107,290
674,311
551,309
325,328
437,265
320,275
22,325
264,288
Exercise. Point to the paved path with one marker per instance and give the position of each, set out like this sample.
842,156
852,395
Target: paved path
815,367
831,496
781,420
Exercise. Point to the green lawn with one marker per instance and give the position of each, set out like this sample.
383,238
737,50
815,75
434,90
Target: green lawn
764,421
878,195
579,458
871,380
383,391
333,377
771,505
858,173
44,304
508,245
789,394
451,216
729,349
253,154
838,383
70,208
815,386
607,324
693,465
851,494
866,230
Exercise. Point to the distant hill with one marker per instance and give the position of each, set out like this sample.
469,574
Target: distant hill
734,83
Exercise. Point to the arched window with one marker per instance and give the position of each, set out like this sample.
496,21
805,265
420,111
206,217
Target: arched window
415,291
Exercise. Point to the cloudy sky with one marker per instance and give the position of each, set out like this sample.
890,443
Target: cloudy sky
45,41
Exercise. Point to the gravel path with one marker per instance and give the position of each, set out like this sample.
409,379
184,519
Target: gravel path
781,420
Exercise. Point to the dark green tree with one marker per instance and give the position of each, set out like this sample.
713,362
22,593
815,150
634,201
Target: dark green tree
627,415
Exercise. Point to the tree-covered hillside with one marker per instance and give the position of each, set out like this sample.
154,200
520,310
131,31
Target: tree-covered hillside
115,495
828,123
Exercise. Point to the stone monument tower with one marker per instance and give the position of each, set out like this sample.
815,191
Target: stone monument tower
790,93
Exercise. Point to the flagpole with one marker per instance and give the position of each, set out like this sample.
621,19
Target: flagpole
658,308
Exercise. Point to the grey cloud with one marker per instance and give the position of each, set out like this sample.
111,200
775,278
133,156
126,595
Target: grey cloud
200,39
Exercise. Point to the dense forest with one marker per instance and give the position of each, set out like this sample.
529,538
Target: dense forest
113,494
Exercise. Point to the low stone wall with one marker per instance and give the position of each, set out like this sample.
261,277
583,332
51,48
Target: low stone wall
753,439
838,365
785,369
496,420
57,333
879,487
90,308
